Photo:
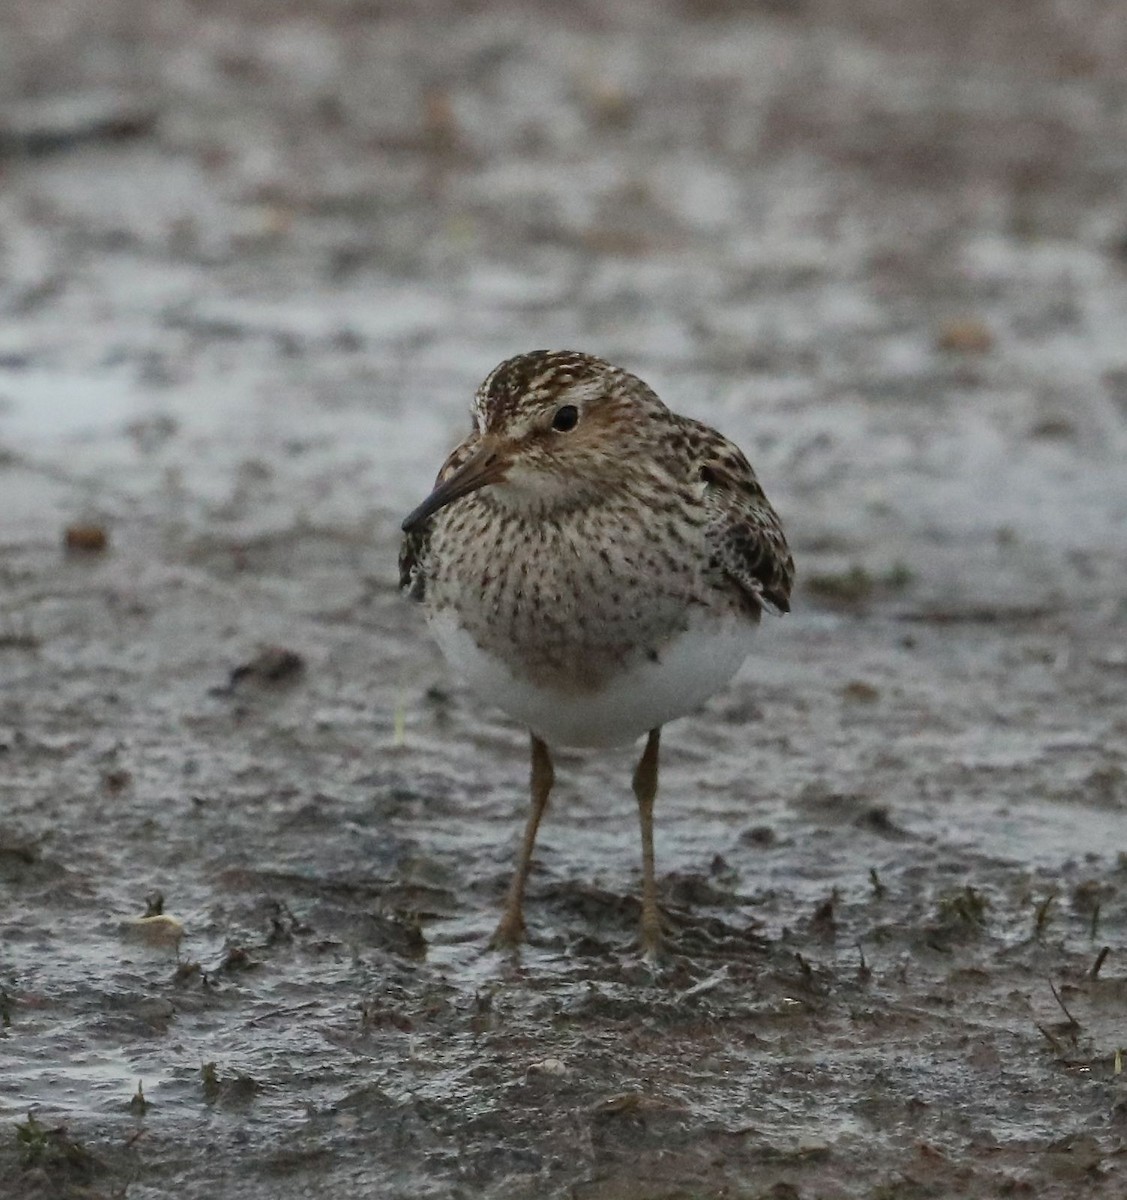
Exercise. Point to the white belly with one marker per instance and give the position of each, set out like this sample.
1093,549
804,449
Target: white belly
691,668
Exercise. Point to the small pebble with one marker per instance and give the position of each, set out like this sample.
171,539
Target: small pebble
85,539
162,930
548,1066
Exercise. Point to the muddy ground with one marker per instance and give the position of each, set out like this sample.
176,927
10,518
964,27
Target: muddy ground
253,259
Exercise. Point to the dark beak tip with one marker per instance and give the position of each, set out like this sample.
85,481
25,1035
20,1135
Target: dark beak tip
479,471
414,518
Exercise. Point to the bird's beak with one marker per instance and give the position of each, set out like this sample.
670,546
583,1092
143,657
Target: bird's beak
486,465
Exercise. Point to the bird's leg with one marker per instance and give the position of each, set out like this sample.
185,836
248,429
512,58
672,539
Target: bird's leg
645,789
510,931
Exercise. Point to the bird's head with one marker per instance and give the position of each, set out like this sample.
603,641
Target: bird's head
553,429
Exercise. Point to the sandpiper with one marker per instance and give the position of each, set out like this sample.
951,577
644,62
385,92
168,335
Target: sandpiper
595,565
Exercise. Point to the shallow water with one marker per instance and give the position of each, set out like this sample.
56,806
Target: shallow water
242,341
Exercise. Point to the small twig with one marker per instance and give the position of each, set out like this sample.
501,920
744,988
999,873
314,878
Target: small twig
863,972
806,969
879,890
1058,1049
1094,973
283,1012
1072,1021
1041,919
706,985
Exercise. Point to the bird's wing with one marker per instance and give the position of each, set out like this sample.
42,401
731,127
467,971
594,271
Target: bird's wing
412,561
415,545
745,538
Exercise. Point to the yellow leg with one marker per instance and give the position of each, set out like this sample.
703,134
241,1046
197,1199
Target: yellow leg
510,931
645,789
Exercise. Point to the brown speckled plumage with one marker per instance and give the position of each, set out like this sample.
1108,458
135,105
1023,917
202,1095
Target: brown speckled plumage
587,579
580,534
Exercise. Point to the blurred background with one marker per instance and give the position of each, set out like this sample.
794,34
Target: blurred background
865,237
255,255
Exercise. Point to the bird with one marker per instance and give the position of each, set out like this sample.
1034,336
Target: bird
594,565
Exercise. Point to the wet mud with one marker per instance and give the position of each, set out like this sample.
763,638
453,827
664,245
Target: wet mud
253,259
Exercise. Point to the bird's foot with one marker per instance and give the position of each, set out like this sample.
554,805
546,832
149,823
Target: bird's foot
652,939
509,933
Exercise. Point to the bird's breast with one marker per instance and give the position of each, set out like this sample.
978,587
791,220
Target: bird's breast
569,602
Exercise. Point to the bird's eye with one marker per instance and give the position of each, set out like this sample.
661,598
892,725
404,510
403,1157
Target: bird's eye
566,418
